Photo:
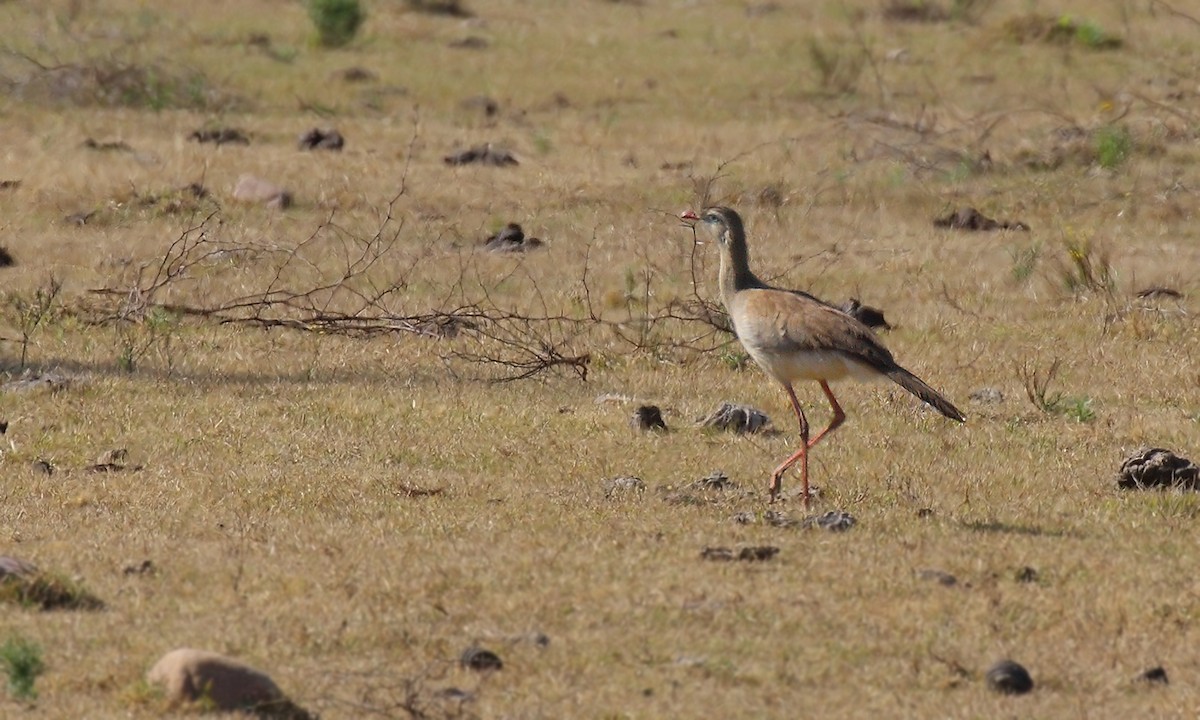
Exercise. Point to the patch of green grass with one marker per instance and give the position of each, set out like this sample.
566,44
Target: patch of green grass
1114,145
336,21
22,662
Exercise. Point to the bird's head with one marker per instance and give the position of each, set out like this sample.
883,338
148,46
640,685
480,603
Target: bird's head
722,224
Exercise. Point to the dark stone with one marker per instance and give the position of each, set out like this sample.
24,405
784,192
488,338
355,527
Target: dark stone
482,154
220,136
1157,467
113,146
511,238
753,553
1009,678
321,139
648,417
480,660
1026,575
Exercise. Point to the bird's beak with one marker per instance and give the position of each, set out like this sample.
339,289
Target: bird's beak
689,218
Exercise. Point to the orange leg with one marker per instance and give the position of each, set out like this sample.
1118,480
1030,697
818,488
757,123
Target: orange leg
801,455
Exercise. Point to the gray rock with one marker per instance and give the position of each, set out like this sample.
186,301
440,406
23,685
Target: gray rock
257,191
736,418
187,675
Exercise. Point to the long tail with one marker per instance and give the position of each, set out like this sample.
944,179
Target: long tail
917,386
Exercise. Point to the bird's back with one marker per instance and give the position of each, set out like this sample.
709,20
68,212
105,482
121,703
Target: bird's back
795,336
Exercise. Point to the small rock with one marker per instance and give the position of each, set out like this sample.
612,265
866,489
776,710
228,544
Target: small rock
113,461
11,567
736,418
648,417
479,659
941,577
753,553
456,694
187,675
356,75
6,258
1009,678
511,239
482,154
114,146
321,139
834,521
1153,676
865,314
255,190
968,218
145,567
624,484
1026,575
80,218
116,456
744,518
716,480
220,136
987,395
758,553
1157,467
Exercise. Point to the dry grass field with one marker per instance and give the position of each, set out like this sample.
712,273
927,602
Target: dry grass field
349,512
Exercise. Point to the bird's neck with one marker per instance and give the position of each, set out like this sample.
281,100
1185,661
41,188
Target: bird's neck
735,270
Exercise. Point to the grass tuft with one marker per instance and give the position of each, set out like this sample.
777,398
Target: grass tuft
22,662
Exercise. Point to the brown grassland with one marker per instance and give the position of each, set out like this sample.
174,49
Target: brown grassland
279,499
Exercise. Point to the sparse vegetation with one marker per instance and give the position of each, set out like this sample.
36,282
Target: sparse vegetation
335,488
29,313
1084,267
